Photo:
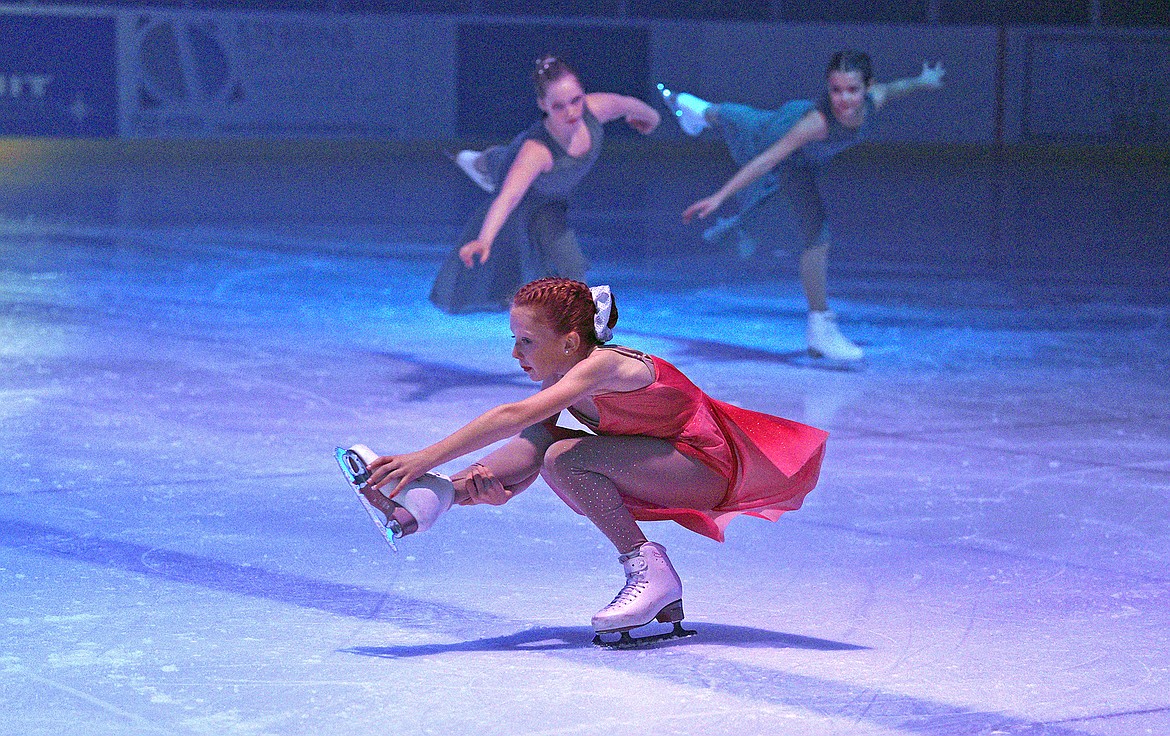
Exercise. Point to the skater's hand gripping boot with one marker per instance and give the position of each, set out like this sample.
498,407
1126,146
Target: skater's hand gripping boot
414,509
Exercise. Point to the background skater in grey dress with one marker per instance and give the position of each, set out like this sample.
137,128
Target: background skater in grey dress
781,151
523,233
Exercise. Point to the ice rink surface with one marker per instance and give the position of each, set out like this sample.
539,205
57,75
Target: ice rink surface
988,551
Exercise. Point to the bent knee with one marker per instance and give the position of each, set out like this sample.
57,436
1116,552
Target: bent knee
563,457
579,455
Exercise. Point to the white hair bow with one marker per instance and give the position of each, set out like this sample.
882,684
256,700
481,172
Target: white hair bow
603,298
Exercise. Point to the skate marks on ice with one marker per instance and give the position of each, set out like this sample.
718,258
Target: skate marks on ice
691,661
350,600
726,352
686,662
836,699
431,377
247,580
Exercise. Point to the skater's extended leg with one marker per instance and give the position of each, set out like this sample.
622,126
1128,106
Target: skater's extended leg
824,337
478,167
593,473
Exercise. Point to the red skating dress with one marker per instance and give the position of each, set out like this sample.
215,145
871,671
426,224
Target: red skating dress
770,463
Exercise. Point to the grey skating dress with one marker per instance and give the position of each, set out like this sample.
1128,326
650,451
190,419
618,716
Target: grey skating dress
748,132
534,242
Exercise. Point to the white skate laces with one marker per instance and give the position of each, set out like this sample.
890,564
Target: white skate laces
653,592
652,586
826,341
636,582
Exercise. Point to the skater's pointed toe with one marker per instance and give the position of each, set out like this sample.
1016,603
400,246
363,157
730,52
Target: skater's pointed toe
688,110
470,163
667,98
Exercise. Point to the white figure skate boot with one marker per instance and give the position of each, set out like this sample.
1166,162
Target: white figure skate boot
468,161
688,110
653,592
414,509
825,340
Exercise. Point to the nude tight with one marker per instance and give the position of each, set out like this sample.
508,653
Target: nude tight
592,474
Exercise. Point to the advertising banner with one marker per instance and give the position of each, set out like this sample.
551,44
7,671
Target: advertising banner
196,75
57,76
1097,89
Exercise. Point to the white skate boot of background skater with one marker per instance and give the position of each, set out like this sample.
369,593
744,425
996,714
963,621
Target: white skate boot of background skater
414,509
826,341
653,592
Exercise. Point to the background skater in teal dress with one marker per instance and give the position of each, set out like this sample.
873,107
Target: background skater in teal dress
523,233
780,152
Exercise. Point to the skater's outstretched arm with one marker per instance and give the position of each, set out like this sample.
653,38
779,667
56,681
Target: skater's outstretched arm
812,127
598,372
532,160
607,106
930,78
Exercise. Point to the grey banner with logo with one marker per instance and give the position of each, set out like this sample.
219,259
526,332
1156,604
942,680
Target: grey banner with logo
157,73
284,75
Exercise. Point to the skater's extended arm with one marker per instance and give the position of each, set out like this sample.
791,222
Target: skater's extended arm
811,127
930,78
532,160
594,374
607,106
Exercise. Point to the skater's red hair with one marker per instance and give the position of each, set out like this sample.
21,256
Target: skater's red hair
566,305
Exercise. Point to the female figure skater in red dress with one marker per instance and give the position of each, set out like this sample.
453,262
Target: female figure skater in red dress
660,449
